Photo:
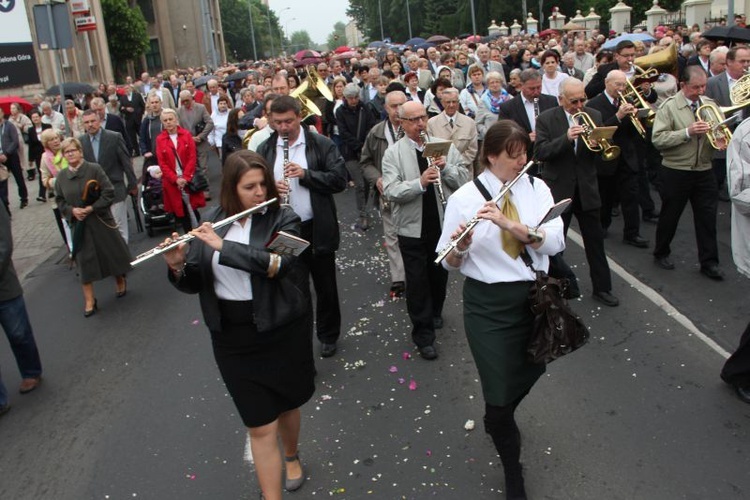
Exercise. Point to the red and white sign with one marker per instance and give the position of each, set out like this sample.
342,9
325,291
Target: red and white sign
87,23
79,7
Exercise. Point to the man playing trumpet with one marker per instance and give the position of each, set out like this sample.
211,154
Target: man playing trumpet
686,171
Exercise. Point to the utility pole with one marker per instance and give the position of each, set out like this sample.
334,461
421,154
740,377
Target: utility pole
252,29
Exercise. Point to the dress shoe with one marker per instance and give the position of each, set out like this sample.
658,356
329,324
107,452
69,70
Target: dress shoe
606,298
4,409
328,350
615,212
31,176
743,393
363,224
652,218
571,293
397,289
29,384
24,204
664,263
428,352
713,272
41,199
294,484
636,241
437,322
90,312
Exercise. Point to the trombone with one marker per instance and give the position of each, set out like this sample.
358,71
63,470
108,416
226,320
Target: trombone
597,145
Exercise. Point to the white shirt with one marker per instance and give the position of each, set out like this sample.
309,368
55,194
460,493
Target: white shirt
299,196
529,107
550,86
486,260
231,283
259,138
220,127
56,120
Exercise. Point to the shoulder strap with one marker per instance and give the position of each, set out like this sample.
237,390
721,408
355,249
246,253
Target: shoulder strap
482,189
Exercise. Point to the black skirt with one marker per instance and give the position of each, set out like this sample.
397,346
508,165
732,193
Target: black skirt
266,373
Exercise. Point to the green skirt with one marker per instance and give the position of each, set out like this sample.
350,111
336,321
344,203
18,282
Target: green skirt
498,322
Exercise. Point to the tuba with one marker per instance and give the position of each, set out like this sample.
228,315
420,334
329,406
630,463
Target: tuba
664,61
246,138
609,151
312,88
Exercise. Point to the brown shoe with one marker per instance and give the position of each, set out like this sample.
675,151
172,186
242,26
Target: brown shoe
29,384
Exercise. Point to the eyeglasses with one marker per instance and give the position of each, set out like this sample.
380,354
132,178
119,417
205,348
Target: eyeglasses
577,101
70,151
416,119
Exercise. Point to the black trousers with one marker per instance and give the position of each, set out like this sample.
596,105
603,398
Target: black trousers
14,167
322,269
593,243
699,188
426,285
736,370
719,166
649,174
623,185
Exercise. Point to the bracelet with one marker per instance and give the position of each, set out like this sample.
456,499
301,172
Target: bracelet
273,265
178,273
460,253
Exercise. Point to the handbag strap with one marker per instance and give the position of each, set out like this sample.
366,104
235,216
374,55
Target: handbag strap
177,157
525,254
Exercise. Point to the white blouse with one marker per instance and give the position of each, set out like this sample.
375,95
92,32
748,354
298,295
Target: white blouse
486,260
231,283
551,86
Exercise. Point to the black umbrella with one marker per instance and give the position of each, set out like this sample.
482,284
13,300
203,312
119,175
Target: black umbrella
414,41
728,33
202,80
239,75
438,39
71,88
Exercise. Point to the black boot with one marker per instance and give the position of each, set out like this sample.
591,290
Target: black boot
500,424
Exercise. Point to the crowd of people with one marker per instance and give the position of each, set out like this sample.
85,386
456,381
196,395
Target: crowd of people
493,107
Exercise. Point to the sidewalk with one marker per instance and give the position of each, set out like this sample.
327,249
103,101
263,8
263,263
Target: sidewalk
35,234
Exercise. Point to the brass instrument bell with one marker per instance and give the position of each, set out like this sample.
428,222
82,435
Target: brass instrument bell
599,145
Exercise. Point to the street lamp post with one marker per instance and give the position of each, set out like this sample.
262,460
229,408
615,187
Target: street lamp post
252,30
408,17
380,11
473,19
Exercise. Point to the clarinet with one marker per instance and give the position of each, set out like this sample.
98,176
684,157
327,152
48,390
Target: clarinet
536,115
431,163
285,197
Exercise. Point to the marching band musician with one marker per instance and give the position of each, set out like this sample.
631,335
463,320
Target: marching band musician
570,172
686,172
624,56
620,176
409,185
527,105
381,136
495,296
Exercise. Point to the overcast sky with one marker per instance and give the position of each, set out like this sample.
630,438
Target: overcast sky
315,16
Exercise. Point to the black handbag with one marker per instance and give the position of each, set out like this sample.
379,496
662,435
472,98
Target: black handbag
557,330
198,183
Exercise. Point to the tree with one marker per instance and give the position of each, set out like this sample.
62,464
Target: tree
337,38
127,37
235,22
300,40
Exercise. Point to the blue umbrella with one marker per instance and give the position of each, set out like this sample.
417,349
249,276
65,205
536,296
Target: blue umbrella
414,41
377,45
425,45
632,37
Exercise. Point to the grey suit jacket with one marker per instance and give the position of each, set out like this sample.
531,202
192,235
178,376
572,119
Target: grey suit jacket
9,139
463,134
717,89
114,159
189,118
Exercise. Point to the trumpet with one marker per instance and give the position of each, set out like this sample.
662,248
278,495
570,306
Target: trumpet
160,249
609,151
452,244
714,116
431,164
634,119
285,197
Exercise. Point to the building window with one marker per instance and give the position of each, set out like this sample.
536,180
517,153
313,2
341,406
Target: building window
147,7
153,56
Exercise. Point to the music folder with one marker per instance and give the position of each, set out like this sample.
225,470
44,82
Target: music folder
602,133
556,211
436,148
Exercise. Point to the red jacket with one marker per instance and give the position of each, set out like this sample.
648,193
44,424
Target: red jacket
165,155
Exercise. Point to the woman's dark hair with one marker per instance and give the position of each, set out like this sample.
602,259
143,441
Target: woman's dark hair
440,82
295,78
233,121
547,54
237,165
504,135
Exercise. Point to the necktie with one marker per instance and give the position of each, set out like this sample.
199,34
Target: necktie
95,147
616,103
450,121
572,122
694,106
511,245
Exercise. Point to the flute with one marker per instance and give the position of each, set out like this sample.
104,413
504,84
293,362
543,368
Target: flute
452,244
158,250
285,196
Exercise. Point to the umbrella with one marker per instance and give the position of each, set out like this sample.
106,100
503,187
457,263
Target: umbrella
308,60
342,49
548,32
71,88
728,33
6,101
237,75
632,37
345,55
425,45
202,80
377,45
438,39
473,38
571,26
414,41
306,54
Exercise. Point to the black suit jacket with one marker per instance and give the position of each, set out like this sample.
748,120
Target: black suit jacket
516,111
596,85
626,137
694,61
566,171
115,124
132,119
35,144
114,158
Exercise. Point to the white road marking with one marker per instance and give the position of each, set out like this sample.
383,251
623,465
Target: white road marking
657,299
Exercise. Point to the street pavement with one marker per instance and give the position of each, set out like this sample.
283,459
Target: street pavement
132,405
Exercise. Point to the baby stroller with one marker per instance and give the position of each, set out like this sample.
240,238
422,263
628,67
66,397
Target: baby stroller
152,204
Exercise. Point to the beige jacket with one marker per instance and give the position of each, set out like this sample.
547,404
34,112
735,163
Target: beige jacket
463,134
680,151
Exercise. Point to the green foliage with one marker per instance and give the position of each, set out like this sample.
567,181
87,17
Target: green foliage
127,37
300,40
235,23
337,38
